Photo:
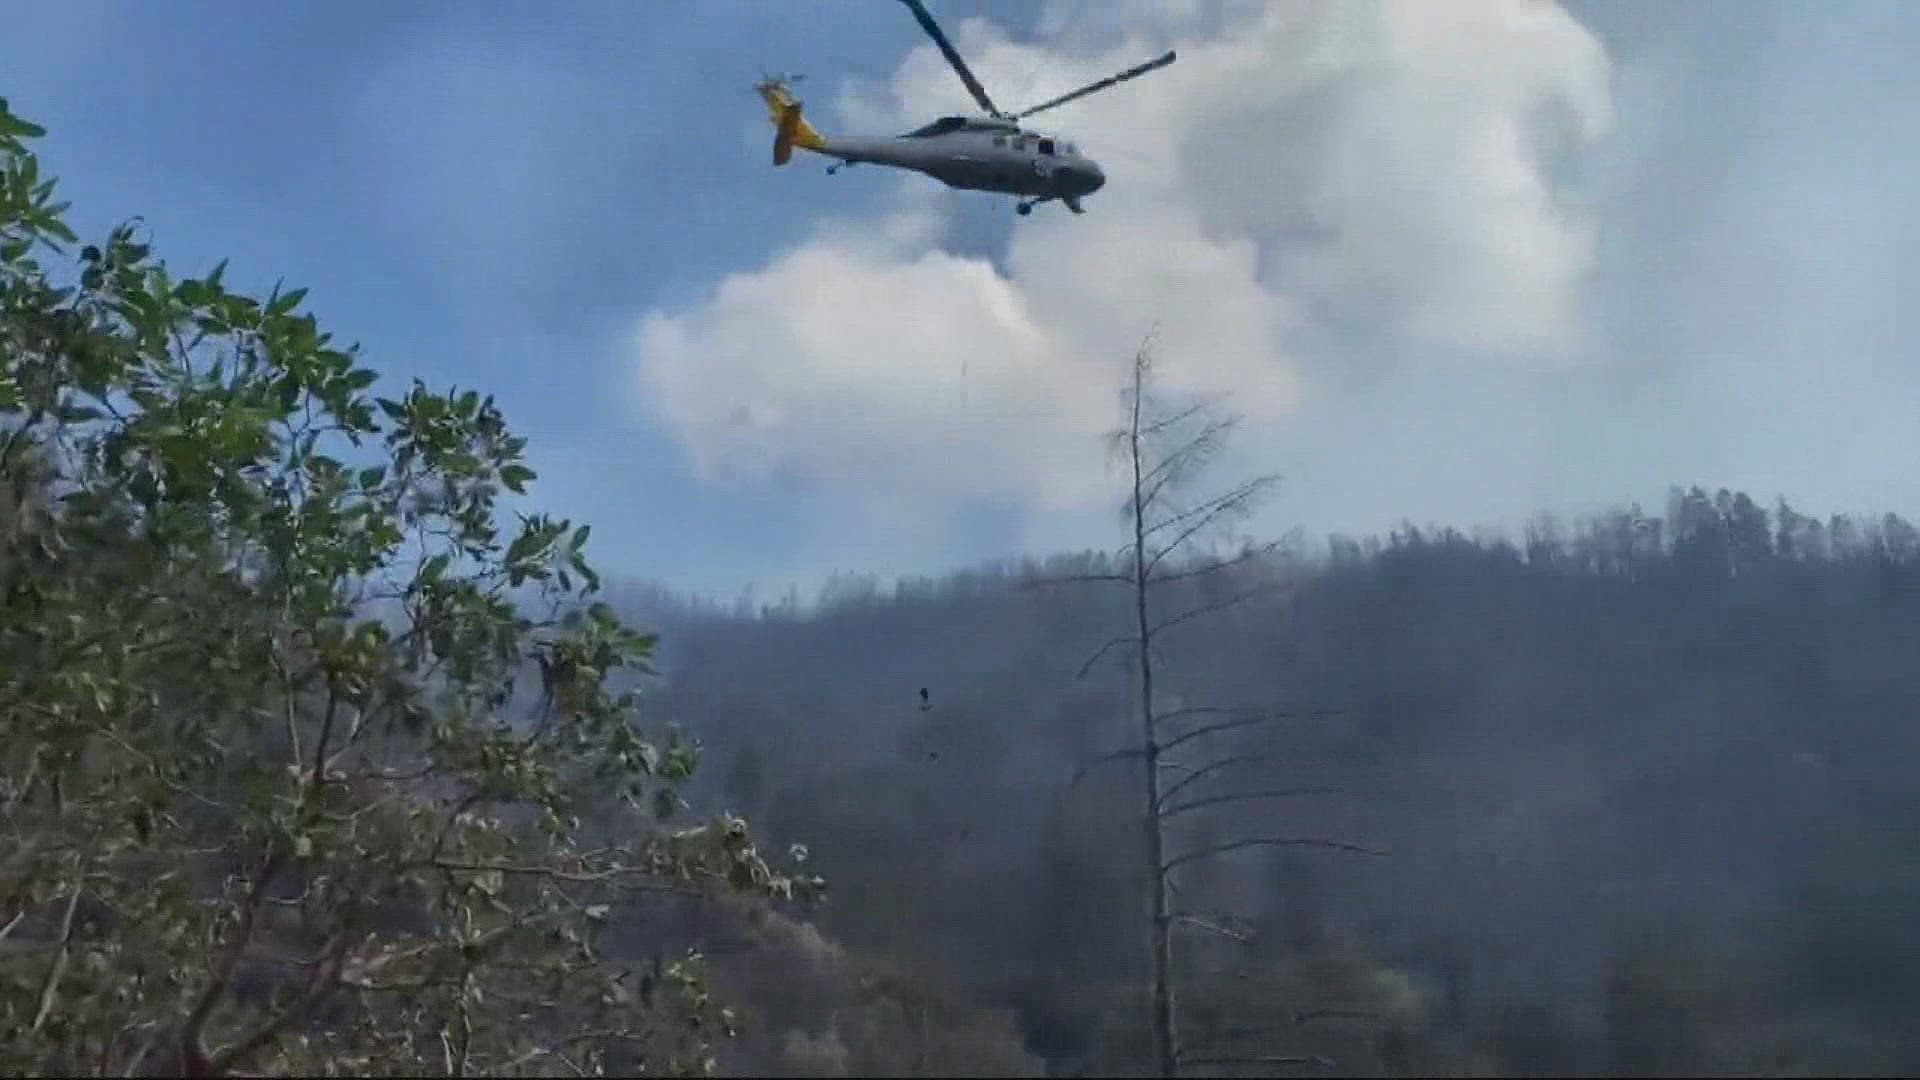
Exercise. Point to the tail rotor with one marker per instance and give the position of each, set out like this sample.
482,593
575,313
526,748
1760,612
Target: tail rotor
790,127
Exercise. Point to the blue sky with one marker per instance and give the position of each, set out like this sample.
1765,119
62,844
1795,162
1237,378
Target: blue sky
1451,267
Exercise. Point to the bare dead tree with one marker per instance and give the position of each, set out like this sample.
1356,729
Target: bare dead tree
1162,450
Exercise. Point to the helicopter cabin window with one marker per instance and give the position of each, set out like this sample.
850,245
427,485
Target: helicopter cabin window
939,127
1046,146
999,140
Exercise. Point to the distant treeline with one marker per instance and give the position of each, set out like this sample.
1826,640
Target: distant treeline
1645,780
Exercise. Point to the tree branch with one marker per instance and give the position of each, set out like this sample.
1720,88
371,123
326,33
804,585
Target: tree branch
140,1056
1203,514
288,695
1218,1036
1217,565
1186,711
1229,725
1102,651
1205,771
1073,579
1116,755
1311,1015
1207,609
193,1052
613,875
1155,427
159,773
1246,796
50,988
1174,465
354,730
1317,1062
459,1059
1213,927
19,794
322,982
570,1040
1263,841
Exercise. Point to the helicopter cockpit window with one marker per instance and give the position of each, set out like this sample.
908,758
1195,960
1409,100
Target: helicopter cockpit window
939,127
1046,146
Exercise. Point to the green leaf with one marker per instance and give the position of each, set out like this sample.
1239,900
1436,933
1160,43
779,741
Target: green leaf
286,302
522,546
435,568
13,125
515,478
370,478
578,561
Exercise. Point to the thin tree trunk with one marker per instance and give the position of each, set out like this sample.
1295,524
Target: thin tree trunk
1165,1048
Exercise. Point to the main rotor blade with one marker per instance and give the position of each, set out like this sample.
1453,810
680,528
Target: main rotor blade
1112,80
953,55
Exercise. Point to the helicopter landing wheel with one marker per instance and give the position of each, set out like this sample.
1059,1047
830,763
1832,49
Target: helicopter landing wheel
1023,209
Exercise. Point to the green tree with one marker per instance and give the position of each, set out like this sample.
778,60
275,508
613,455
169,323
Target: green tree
297,735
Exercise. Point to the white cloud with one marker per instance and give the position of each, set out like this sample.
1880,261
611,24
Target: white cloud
1302,168
840,360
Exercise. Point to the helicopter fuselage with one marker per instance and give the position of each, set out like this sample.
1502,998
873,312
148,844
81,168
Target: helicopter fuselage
988,151
980,154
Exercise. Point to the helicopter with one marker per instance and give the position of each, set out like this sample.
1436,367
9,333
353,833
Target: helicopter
974,153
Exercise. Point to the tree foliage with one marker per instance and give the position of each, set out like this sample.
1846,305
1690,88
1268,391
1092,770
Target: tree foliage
300,738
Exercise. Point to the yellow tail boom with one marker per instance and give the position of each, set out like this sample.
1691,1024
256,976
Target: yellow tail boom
790,129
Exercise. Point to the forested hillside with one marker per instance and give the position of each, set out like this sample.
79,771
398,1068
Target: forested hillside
1644,784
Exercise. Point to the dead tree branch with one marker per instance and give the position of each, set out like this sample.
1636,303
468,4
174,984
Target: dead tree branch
1235,600
1312,1015
1215,566
1264,1059
1105,759
1230,725
1264,841
1248,796
1102,651
1210,926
